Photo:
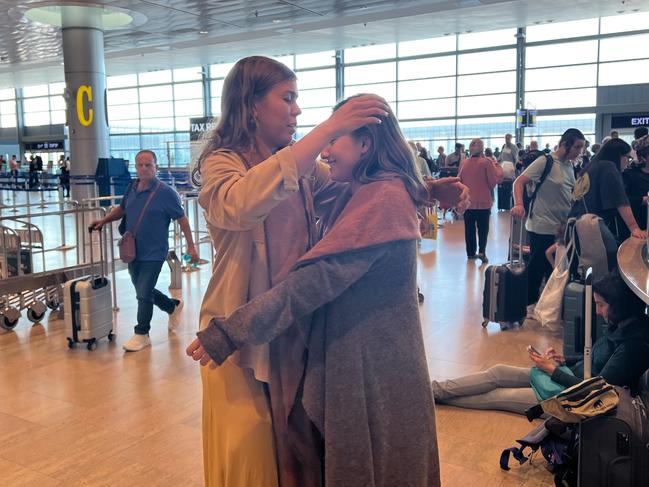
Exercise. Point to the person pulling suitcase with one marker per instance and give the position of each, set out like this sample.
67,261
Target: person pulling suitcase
148,206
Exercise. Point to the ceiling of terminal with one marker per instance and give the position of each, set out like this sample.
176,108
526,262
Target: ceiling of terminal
182,33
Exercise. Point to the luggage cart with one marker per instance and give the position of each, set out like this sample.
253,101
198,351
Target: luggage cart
23,289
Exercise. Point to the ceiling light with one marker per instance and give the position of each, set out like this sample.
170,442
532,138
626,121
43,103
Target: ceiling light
277,21
73,15
203,32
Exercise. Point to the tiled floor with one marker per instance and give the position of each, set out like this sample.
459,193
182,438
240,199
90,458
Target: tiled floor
74,417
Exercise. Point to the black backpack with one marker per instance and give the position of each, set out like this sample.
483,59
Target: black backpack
528,199
558,443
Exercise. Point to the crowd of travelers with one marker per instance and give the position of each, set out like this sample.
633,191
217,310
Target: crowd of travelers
572,181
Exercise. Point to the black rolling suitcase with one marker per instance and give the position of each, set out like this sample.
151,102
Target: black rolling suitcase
504,299
505,195
614,449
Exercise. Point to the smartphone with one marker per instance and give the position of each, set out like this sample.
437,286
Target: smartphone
531,349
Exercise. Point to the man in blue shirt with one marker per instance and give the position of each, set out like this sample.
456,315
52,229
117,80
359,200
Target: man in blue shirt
151,243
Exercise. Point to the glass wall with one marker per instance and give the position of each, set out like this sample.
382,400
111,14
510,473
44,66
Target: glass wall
549,128
444,89
152,110
7,108
44,104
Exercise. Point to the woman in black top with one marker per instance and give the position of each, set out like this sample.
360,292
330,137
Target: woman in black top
600,189
636,182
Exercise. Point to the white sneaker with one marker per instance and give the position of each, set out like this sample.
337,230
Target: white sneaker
137,343
174,316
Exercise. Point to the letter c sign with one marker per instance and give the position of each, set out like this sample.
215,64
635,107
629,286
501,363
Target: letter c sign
84,91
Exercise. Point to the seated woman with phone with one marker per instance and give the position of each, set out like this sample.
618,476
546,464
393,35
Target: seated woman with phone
620,356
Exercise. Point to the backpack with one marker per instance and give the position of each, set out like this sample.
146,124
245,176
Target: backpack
558,443
530,196
589,398
594,244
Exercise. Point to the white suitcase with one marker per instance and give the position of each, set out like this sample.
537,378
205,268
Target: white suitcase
87,305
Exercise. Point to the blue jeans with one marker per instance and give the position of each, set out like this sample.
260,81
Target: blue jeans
144,276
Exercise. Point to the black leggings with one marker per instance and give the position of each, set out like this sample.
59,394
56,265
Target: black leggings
473,219
539,266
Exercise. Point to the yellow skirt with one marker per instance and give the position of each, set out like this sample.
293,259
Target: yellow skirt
238,446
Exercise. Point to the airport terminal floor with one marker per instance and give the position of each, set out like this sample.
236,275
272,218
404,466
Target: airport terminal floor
106,417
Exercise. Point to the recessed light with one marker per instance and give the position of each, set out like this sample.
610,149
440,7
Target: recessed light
203,32
277,21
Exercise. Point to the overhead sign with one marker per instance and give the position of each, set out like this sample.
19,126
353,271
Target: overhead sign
199,125
525,118
630,121
56,145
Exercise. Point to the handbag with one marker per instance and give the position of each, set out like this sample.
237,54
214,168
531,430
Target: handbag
548,309
543,385
126,244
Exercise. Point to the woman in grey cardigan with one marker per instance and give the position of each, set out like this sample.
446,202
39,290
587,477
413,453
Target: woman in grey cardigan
353,296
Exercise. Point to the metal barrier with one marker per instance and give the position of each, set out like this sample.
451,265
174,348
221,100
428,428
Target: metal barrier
24,289
191,199
190,204
62,203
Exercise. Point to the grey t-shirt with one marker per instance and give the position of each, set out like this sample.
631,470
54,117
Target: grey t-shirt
509,153
554,199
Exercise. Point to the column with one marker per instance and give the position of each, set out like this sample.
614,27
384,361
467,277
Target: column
520,79
85,78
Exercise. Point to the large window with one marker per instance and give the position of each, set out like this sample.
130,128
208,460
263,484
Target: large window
549,128
152,110
316,81
435,84
7,108
624,60
561,75
44,104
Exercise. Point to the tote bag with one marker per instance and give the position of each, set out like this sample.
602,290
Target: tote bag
548,308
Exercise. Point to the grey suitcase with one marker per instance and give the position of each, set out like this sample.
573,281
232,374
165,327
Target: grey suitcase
572,314
87,304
